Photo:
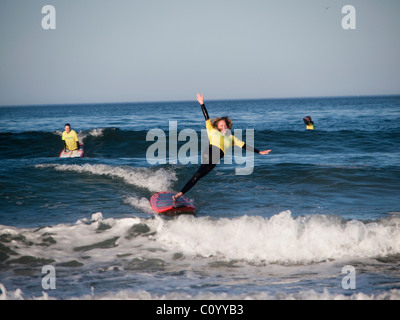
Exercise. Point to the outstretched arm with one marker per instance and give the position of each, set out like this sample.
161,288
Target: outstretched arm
250,148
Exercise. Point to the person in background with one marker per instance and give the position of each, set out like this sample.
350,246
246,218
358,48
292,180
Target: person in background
70,138
309,123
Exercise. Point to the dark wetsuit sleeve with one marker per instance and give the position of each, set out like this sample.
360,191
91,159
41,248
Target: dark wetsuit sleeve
250,148
203,108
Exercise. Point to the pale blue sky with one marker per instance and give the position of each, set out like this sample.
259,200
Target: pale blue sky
160,50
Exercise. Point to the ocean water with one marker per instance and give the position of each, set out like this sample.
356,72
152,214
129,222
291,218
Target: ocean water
318,218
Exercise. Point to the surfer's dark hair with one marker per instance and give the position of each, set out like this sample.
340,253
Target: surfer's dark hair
67,124
228,122
307,120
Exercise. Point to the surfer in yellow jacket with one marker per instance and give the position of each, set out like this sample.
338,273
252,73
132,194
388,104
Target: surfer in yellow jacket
221,139
70,138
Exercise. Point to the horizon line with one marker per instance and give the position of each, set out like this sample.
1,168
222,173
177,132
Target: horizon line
211,100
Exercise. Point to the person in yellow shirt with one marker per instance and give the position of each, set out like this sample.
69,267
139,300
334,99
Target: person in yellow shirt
220,140
70,138
309,123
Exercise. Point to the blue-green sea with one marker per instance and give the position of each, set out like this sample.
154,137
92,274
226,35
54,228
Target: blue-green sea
321,200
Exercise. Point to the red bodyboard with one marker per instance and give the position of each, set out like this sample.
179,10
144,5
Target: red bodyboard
162,203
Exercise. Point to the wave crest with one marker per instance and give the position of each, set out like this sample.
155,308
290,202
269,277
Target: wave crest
153,180
281,239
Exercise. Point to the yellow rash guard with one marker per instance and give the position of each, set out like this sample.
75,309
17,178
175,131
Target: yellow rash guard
220,140
70,139
310,126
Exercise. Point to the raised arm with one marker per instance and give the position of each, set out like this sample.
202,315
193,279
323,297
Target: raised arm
200,99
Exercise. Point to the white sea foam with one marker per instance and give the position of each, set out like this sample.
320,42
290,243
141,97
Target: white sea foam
393,294
153,180
280,239
142,204
188,243
96,132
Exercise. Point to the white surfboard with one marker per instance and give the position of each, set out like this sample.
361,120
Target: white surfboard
74,153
